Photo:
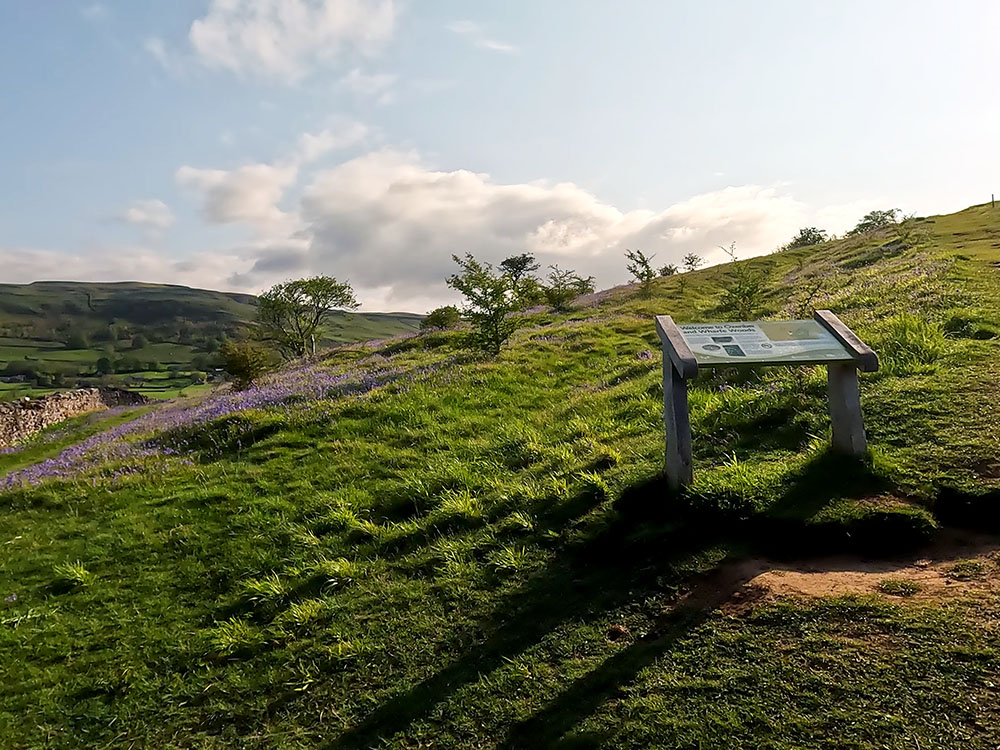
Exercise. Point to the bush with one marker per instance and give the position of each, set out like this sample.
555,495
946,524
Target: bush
743,294
491,300
443,317
875,220
565,286
807,236
668,270
641,268
244,362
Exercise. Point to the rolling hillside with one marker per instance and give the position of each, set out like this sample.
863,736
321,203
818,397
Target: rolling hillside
155,332
412,545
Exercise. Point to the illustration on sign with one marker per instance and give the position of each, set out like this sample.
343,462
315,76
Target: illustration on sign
761,342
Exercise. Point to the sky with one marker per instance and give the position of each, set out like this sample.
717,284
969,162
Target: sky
234,144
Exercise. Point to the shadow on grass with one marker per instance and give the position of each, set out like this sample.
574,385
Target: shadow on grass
648,547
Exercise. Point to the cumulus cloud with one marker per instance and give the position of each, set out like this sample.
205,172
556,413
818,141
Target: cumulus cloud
476,33
249,194
252,194
149,214
285,39
390,223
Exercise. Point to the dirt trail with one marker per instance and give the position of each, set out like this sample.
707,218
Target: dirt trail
958,564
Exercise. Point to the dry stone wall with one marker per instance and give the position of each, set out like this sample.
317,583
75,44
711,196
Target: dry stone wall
21,419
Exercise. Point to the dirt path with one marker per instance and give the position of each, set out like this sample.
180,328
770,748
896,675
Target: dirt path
958,564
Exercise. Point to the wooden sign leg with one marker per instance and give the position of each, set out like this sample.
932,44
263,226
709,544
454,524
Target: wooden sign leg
845,410
677,425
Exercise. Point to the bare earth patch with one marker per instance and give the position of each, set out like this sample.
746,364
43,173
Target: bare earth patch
959,564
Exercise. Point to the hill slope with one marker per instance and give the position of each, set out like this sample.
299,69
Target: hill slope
410,545
61,329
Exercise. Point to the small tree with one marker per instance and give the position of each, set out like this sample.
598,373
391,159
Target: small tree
640,266
443,317
807,236
874,220
692,261
104,366
743,293
291,313
139,342
244,362
490,302
565,286
668,270
519,266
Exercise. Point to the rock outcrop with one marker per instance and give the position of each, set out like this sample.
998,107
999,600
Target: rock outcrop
21,419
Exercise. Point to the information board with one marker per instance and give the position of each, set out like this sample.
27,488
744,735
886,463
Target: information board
763,342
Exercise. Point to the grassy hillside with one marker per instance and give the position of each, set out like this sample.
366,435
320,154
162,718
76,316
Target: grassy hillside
409,545
156,335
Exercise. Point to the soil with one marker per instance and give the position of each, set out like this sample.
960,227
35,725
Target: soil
740,585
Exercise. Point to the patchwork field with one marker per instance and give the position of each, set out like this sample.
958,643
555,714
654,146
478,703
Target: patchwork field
408,544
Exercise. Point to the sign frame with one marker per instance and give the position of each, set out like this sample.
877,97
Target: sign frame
680,365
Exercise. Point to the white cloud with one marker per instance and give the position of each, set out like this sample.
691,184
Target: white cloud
476,33
285,39
249,194
388,222
376,85
149,214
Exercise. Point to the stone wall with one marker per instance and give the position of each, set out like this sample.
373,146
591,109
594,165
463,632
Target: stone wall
21,419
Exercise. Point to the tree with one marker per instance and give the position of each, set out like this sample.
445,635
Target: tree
244,363
692,261
519,266
289,314
490,302
565,286
874,220
104,366
744,290
139,341
807,236
443,317
641,268
668,270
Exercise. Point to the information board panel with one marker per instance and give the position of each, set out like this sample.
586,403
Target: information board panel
763,342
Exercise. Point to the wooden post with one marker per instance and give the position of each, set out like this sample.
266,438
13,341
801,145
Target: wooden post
679,364
842,381
845,409
677,427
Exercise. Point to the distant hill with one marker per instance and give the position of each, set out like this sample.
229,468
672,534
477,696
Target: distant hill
63,328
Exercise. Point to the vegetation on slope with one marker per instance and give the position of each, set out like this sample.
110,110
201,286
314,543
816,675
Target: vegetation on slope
412,545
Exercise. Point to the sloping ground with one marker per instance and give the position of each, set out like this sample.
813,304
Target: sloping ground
408,545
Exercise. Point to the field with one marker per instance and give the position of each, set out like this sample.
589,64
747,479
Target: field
61,330
412,545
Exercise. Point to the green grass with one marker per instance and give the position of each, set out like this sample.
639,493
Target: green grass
482,552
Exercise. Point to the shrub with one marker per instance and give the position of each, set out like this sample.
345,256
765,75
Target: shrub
565,286
440,318
668,270
875,220
807,236
244,362
490,302
692,261
744,291
641,268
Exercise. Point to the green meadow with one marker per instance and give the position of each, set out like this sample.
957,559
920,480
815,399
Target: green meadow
441,549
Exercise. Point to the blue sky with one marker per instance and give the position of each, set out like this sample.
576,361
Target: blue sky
234,143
